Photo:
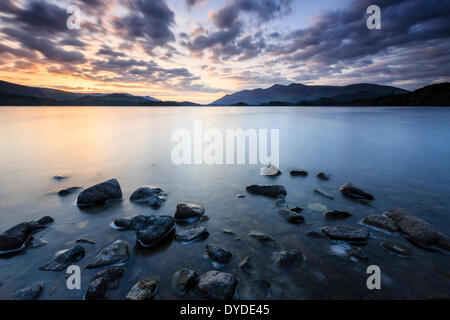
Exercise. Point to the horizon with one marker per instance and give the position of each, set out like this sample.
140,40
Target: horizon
202,50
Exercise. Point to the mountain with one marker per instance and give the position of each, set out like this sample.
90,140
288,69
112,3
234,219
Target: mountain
294,93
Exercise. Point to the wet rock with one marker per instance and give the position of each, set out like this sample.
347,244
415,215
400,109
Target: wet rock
64,258
68,191
269,190
59,178
260,237
226,231
336,215
270,170
292,217
160,227
246,265
348,233
380,222
299,173
84,241
288,258
353,192
192,235
323,176
144,290
314,234
115,253
30,293
102,282
419,232
151,196
396,248
42,223
15,238
240,195
296,209
218,253
189,212
323,194
134,223
217,285
100,193
184,280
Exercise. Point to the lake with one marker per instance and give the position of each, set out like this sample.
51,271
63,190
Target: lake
400,155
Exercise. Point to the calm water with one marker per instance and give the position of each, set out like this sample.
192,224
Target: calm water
401,155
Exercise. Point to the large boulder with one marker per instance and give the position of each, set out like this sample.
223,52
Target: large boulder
217,285
100,194
184,280
268,190
189,212
102,282
160,227
380,222
30,293
336,215
192,235
151,196
218,254
144,290
348,233
15,238
114,254
353,192
64,258
418,231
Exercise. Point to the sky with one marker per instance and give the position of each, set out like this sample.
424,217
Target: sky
200,50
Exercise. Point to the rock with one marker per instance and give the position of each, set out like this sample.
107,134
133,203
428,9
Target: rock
317,207
42,223
64,258
15,238
380,222
269,190
183,280
260,237
160,227
144,290
299,173
30,293
102,282
100,194
135,223
351,191
323,176
217,285
396,248
419,232
270,170
348,233
84,241
314,234
357,253
323,194
189,212
292,217
192,235
296,209
59,178
114,254
218,254
246,265
240,195
280,202
151,196
336,215
68,191
288,258
38,242
226,231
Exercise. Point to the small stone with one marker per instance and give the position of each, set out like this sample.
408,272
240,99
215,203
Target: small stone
64,258
358,234
299,173
240,195
59,178
100,194
102,282
396,248
288,258
15,238
351,191
270,170
227,231
30,293
380,222
189,212
273,191
84,241
217,285
323,176
151,196
42,223
68,191
292,217
144,290
336,215
160,228
323,194
192,235
246,265
296,209
114,254
183,280
260,237
218,254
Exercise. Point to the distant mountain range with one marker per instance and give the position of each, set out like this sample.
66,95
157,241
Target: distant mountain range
295,93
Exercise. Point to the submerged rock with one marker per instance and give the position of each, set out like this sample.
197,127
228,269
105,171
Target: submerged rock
102,282
323,194
380,222
291,216
246,265
68,191
336,215
30,293
270,170
134,223
396,248
260,237
160,227
151,196
347,233
240,195
64,258
218,254
296,209
82,240
323,176
192,235
15,238
189,212
59,178
184,280
217,285
42,223
299,173
115,253
144,290
418,231
288,258
353,192
269,190
100,193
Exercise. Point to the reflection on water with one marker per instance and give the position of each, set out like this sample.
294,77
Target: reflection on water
398,154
